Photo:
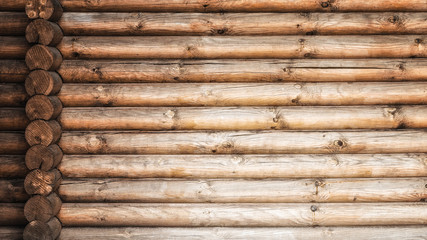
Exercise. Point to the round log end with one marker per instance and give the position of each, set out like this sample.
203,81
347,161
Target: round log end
43,132
43,82
38,208
42,182
45,158
42,231
43,32
43,57
47,9
43,107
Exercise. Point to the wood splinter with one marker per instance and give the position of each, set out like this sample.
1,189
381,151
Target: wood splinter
43,82
43,132
45,158
42,182
43,107
43,57
43,32
43,231
47,9
42,208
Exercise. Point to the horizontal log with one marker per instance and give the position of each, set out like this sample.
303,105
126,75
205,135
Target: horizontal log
243,191
12,190
12,166
13,47
244,142
12,214
13,23
242,215
78,23
12,95
242,94
245,166
13,143
244,118
312,70
244,6
223,233
12,233
12,71
121,47
13,119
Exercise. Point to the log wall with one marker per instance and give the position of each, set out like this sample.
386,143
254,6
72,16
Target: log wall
173,119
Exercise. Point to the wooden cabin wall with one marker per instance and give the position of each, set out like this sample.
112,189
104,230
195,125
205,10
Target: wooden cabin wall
214,119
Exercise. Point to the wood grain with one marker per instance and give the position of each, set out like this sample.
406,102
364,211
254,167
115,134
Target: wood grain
13,119
12,191
13,143
13,47
12,71
12,214
13,23
12,166
12,95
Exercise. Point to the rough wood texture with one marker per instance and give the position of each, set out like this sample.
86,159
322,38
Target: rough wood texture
12,95
43,82
43,231
263,70
46,9
45,158
43,132
43,57
42,182
12,71
12,191
245,5
13,143
12,214
245,166
42,208
242,94
13,47
142,23
43,107
244,47
243,191
13,119
224,233
13,23
16,5
43,32
12,166
242,215
244,118
244,142
11,233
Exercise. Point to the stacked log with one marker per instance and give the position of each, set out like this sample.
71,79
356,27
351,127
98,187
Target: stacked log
43,131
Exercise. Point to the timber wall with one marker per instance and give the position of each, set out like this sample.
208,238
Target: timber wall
213,119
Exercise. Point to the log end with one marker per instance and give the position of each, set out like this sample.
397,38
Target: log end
43,132
43,57
42,182
45,158
42,231
43,82
47,9
43,32
43,107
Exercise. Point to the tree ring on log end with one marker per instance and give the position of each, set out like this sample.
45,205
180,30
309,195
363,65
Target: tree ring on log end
43,132
43,107
42,182
42,208
47,9
43,82
45,158
42,231
43,57
43,32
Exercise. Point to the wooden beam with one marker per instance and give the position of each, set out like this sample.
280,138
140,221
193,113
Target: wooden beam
13,47
12,71
12,95
12,143
13,119
12,233
13,23
12,214
12,166
12,191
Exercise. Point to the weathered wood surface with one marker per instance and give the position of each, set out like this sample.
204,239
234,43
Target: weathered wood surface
43,32
12,214
245,5
86,24
242,214
224,233
15,5
244,118
13,119
263,70
123,47
12,166
243,142
43,57
12,190
12,23
245,166
12,71
12,95
11,233
13,47
242,94
243,191
43,82
12,143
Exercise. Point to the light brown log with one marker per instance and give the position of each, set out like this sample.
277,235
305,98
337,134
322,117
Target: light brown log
244,191
242,214
13,119
43,132
78,23
244,118
224,233
12,233
245,5
43,57
244,142
42,182
312,70
15,5
242,94
245,166
43,82
46,9
43,107
12,71
12,214
12,95
13,47
13,23
42,208
13,143
43,231
244,47
45,158
12,166
43,32
12,191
